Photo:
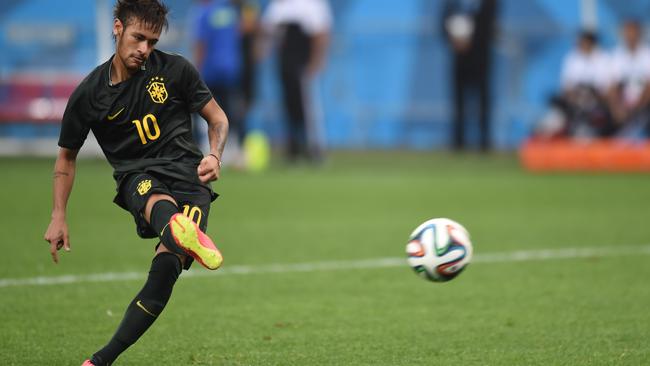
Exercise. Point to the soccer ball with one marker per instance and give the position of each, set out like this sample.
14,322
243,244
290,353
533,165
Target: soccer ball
439,249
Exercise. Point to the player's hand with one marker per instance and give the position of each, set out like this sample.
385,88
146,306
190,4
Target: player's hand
209,169
57,236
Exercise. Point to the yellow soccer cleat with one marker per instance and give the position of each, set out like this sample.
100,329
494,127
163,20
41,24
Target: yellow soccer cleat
194,242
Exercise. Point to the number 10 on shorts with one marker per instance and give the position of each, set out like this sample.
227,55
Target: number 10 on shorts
193,212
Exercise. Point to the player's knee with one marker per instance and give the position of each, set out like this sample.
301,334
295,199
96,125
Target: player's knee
162,248
154,198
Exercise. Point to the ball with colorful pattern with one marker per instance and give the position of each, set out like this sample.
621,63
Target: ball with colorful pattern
439,249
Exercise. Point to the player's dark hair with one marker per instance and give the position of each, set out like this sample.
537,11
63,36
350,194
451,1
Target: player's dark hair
153,13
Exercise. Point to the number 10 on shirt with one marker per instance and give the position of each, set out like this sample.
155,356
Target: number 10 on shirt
145,127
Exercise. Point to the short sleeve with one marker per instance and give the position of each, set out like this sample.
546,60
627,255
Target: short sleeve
75,123
195,91
321,17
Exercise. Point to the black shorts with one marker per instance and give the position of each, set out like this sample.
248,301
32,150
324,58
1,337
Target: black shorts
193,200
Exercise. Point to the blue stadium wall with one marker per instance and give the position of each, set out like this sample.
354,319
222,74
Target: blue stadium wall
386,83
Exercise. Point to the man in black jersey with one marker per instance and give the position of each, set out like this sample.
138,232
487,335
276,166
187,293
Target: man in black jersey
138,105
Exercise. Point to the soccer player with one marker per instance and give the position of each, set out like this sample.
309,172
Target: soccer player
138,105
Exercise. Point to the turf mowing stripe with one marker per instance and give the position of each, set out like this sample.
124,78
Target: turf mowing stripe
516,256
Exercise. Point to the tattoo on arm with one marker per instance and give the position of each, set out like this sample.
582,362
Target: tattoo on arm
58,174
219,132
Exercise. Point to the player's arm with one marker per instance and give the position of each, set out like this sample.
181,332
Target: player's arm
57,231
210,166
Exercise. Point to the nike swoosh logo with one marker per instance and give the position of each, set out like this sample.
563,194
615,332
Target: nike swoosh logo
139,304
110,118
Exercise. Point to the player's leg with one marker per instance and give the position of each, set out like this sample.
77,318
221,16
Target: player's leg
188,228
145,308
153,211
292,97
158,210
139,194
179,233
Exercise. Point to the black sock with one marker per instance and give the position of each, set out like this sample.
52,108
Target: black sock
144,309
161,212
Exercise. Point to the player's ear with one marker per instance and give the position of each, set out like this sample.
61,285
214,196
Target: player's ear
118,28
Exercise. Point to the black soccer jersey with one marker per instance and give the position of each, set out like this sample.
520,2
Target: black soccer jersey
142,124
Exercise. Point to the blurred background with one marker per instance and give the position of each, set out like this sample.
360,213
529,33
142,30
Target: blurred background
385,83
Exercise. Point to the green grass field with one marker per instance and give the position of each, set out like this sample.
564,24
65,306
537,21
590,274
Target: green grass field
588,310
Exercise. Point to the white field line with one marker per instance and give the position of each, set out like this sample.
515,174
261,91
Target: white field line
498,257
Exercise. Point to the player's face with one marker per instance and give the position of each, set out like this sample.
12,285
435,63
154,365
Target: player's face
135,42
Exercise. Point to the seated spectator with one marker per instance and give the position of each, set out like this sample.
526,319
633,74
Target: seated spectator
629,90
581,109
